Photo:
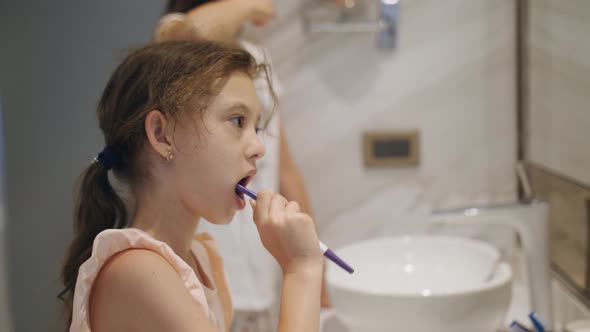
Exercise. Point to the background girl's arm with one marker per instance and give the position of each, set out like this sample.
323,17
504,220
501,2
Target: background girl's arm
218,20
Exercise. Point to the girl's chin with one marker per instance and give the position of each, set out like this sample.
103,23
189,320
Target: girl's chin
224,220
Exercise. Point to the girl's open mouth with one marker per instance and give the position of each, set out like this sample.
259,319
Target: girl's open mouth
244,182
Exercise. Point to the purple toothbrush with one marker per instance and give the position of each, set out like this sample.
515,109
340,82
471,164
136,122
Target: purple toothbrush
327,252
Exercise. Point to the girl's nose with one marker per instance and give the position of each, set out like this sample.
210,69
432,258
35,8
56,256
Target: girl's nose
256,149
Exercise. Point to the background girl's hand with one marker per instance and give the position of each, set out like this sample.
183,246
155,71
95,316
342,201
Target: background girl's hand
261,11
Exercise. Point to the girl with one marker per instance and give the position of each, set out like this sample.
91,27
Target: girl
179,121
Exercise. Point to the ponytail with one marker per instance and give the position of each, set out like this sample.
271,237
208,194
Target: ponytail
98,207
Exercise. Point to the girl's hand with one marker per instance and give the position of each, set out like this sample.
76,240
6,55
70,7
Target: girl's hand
287,233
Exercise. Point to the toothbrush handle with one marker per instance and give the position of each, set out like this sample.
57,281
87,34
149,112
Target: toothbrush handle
329,254
325,250
247,191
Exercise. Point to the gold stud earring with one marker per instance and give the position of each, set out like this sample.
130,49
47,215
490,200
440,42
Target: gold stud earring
169,156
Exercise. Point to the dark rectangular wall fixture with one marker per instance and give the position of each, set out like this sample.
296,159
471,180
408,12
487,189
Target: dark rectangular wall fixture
391,148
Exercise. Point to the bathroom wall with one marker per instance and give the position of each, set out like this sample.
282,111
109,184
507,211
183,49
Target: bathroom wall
452,78
558,116
55,59
5,315
559,87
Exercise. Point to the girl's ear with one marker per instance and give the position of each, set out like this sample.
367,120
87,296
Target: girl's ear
156,129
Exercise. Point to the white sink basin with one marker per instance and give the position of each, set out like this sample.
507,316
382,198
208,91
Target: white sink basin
421,284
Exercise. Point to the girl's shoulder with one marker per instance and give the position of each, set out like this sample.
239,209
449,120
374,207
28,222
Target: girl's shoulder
128,264
143,280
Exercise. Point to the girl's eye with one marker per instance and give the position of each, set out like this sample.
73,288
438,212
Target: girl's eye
238,121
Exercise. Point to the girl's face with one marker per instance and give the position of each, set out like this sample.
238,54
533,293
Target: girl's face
213,155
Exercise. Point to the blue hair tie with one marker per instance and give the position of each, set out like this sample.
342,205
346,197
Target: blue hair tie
109,158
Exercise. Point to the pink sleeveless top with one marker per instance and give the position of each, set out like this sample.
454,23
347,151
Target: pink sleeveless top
216,302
